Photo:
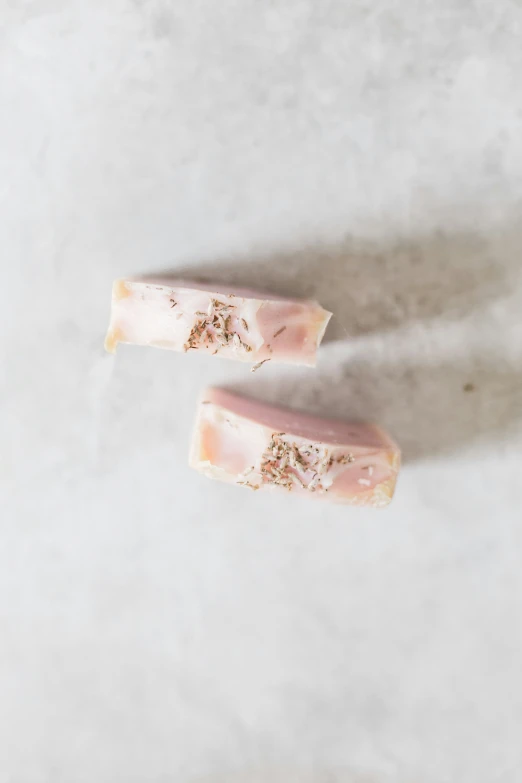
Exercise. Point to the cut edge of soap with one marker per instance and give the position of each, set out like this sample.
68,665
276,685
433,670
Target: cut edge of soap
120,290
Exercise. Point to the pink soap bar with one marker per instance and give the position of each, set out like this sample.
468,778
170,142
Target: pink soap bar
234,324
246,442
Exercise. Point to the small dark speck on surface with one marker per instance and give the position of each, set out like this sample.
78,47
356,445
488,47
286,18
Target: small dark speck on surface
468,387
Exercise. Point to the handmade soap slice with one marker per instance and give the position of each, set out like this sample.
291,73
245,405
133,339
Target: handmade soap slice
243,441
233,323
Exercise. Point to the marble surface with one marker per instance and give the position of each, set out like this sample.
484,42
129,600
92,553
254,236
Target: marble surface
155,626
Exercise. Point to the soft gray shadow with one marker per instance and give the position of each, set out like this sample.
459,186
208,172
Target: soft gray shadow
374,286
430,410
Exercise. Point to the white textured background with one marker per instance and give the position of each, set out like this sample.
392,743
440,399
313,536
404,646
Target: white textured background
156,627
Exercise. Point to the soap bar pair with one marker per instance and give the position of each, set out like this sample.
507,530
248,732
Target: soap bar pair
242,441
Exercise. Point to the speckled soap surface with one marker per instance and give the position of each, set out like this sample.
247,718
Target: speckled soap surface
156,626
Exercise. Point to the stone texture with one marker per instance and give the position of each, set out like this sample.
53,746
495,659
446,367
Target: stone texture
157,627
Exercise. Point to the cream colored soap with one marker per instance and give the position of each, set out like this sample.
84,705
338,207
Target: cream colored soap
234,324
252,444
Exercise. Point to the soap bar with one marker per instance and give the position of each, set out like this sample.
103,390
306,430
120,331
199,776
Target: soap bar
259,446
232,323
